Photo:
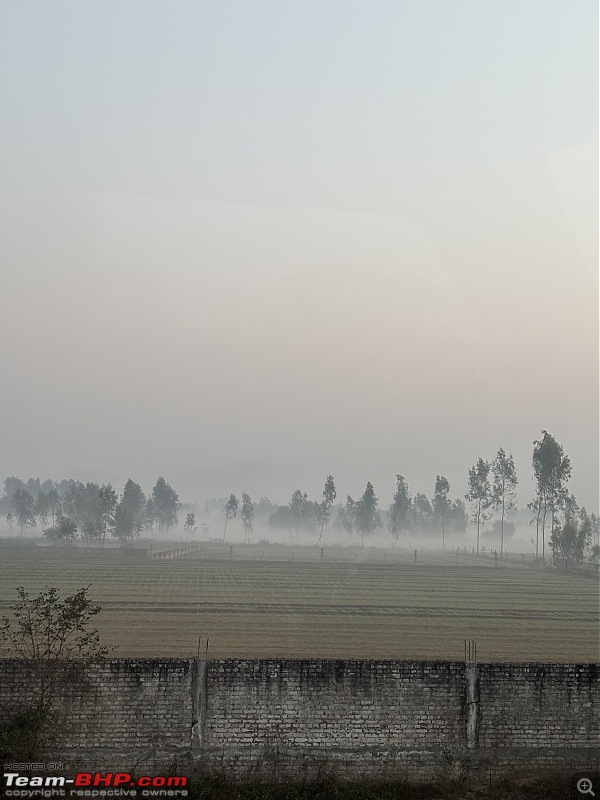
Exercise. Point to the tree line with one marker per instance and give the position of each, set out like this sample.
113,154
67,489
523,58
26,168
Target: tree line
89,510
94,511
558,518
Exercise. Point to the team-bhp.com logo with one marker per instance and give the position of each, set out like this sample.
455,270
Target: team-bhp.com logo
95,784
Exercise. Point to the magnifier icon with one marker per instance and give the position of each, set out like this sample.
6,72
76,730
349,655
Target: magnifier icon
584,786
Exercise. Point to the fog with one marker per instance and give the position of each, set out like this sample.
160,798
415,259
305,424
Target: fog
248,247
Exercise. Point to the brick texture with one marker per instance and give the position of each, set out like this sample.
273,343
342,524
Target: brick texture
300,718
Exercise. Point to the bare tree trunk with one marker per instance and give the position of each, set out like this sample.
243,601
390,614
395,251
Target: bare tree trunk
537,527
502,528
544,515
322,528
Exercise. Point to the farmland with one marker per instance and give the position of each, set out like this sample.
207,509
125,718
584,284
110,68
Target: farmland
269,601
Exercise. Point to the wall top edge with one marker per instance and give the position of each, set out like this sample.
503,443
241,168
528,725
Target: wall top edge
333,661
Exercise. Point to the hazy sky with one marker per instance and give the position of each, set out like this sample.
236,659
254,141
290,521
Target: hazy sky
248,244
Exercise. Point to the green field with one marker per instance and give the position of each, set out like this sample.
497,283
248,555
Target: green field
357,603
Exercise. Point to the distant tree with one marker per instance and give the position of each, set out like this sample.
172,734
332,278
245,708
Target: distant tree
345,519
503,489
312,516
421,513
46,486
552,470
65,530
190,523
23,509
569,542
150,519
130,513
479,494
458,519
535,506
107,506
43,508
595,533
90,508
33,487
282,517
570,507
123,528
81,502
297,505
366,514
594,537
247,515
11,485
63,486
441,503
399,512
54,503
230,511
165,502
329,491
322,517
264,507
324,507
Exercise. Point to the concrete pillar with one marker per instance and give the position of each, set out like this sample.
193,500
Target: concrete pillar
473,705
199,678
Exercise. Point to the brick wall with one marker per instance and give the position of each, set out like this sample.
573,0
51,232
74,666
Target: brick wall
299,718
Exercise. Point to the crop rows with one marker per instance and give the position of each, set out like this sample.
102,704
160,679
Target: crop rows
341,608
